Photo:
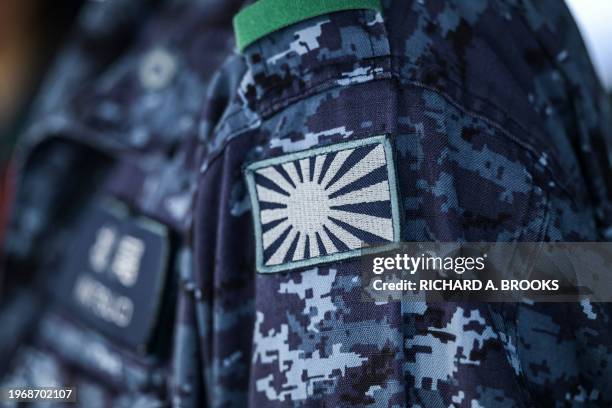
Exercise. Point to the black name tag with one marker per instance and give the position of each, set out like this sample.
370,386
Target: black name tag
114,274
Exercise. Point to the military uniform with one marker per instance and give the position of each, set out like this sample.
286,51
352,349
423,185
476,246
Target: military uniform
420,121
336,124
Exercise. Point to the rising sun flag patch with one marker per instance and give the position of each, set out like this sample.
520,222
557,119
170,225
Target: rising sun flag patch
324,204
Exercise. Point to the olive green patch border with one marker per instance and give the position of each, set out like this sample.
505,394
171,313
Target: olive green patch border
266,16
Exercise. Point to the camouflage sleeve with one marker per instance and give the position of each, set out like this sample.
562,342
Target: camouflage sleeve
431,121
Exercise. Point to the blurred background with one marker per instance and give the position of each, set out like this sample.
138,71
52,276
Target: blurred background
594,20
31,31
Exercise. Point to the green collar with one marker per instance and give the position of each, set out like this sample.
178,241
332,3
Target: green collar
267,16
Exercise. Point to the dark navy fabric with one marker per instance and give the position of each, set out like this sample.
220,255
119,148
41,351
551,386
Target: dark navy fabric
493,128
497,125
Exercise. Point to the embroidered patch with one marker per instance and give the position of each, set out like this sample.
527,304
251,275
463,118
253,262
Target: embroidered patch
324,204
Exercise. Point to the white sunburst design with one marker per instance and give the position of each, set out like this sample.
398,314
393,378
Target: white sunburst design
323,204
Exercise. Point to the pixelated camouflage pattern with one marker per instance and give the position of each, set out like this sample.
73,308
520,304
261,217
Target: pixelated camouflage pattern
499,131
499,134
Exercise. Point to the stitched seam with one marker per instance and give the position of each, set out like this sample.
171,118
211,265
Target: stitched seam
275,104
267,100
328,83
359,327
364,62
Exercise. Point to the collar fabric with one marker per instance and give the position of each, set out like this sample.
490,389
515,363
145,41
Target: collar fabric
267,16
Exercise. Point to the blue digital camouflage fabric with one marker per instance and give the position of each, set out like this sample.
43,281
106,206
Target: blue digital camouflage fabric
458,120
497,131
